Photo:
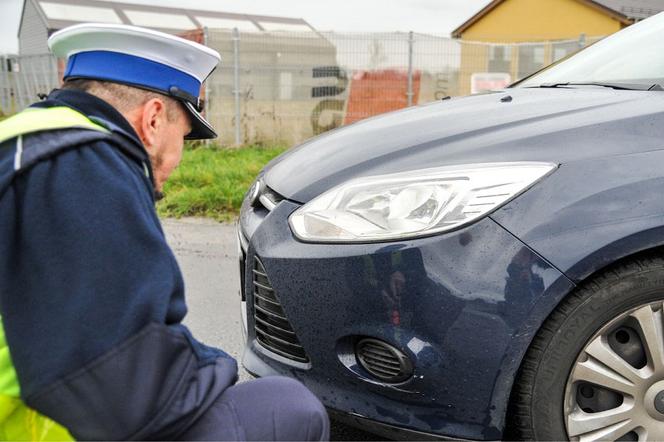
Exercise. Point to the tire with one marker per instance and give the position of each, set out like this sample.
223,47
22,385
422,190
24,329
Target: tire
548,395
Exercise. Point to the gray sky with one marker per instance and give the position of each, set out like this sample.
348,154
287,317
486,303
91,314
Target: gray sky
431,16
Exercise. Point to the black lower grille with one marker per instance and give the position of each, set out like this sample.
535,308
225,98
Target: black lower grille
273,330
383,361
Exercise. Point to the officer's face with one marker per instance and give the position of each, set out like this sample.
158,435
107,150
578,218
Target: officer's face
164,130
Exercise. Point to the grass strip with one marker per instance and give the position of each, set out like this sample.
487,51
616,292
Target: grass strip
211,181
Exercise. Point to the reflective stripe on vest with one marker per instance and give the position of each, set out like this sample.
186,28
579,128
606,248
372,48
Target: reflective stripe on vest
17,420
41,119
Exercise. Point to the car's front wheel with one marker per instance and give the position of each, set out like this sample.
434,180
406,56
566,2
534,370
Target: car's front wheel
595,371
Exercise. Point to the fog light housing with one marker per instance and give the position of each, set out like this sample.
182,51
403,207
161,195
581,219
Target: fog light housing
383,361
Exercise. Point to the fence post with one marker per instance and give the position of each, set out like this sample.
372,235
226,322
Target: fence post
19,82
3,85
411,41
55,78
582,41
32,94
206,93
236,84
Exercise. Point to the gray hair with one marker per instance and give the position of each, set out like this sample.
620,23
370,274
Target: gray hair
122,97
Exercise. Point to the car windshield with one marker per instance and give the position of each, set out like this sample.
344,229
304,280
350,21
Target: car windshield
630,59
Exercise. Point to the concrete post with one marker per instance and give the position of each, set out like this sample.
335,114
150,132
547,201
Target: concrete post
206,103
411,41
236,85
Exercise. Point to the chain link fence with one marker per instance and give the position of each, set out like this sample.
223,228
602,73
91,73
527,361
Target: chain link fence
284,87
22,79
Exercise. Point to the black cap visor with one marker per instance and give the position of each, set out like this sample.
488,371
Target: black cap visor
200,128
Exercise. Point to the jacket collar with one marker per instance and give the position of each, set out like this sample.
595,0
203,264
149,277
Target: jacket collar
94,108
103,113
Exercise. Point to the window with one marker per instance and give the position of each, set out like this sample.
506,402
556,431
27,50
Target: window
275,26
531,59
286,86
58,11
500,58
559,53
226,23
160,20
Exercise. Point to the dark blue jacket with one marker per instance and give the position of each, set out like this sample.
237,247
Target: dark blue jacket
91,296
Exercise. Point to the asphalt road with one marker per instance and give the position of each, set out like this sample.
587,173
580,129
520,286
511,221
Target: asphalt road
207,254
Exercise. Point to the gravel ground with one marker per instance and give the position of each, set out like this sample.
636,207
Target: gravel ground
207,254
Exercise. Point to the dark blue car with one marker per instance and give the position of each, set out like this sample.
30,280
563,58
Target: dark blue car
481,268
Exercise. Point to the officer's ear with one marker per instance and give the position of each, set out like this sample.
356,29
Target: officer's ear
153,116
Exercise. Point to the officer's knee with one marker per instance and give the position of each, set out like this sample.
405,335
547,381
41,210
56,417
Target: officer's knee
314,414
301,410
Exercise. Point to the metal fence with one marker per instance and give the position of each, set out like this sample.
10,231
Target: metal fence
22,79
284,87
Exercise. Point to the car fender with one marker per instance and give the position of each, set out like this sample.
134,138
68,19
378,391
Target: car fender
591,213
582,218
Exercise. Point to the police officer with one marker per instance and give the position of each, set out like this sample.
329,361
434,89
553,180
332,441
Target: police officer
92,344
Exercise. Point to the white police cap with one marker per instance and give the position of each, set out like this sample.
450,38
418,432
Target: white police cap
141,58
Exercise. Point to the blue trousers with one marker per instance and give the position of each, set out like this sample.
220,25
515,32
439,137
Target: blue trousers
266,409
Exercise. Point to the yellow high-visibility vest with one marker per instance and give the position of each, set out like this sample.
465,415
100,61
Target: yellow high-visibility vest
19,422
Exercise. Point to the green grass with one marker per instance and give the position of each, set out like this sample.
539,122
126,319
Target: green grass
211,182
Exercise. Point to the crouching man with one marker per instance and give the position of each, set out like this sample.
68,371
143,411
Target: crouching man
92,344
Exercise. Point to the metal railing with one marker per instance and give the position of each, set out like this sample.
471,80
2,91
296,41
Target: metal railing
285,87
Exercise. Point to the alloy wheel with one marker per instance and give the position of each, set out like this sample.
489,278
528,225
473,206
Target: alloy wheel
615,390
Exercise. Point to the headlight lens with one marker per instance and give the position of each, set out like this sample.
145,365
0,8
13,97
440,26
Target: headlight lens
411,204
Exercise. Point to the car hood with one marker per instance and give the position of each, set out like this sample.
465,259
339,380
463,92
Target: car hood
556,125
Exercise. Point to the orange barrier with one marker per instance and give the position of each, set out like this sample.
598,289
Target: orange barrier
375,92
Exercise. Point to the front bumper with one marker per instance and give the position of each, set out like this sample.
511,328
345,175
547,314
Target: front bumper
459,305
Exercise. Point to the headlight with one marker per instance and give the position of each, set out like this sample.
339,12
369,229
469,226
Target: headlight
411,204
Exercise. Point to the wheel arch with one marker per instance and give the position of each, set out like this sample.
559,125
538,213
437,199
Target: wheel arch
618,253
621,250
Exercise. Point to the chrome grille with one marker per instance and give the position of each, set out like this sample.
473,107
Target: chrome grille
273,330
269,198
263,196
242,256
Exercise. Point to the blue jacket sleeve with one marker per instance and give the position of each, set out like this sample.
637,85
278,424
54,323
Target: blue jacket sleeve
92,299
